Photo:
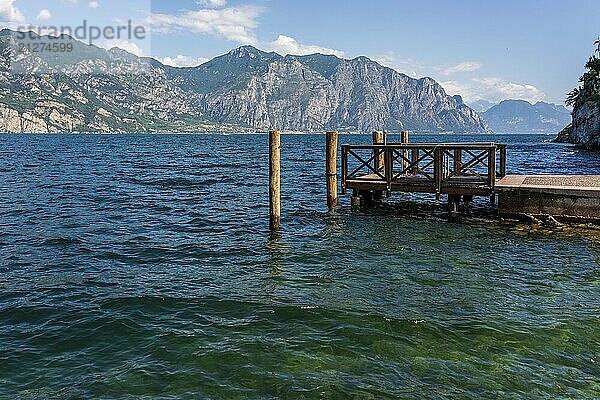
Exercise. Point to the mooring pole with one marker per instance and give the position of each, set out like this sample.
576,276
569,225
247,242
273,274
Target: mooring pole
377,137
405,160
379,161
275,180
453,203
331,168
404,138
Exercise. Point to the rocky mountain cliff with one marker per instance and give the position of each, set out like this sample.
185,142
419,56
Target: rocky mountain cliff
91,89
522,116
584,130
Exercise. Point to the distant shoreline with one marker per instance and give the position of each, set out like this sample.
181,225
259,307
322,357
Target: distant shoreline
266,132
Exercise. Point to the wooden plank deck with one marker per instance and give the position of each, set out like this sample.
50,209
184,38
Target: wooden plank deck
466,185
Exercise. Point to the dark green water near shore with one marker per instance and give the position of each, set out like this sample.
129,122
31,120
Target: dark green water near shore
142,267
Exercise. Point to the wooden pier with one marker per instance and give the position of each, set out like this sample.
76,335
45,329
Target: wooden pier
464,170
455,169
458,170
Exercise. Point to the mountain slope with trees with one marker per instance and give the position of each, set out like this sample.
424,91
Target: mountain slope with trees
95,90
584,130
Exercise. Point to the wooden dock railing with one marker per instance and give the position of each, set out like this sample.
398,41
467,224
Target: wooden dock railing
457,168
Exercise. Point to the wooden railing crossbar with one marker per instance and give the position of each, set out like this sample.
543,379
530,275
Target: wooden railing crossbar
413,166
438,164
470,165
364,164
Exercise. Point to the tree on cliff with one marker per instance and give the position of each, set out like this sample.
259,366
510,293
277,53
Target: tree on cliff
589,90
584,131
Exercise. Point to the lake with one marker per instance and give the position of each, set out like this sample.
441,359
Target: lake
140,266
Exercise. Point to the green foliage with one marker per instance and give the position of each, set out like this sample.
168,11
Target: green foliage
589,90
19,102
572,97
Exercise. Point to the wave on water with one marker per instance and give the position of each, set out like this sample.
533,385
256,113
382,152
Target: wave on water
146,269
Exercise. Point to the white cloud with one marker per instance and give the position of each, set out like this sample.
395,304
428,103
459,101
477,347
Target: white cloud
404,65
183,61
212,3
123,44
94,4
10,13
417,68
234,23
288,45
467,66
493,89
490,89
44,15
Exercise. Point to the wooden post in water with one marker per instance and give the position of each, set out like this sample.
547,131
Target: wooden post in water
275,180
356,200
414,159
502,161
453,203
492,173
405,161
379,161
457,162
404,138
331,168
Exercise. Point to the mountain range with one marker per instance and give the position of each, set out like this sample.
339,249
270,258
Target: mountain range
481,105
90,89
522,116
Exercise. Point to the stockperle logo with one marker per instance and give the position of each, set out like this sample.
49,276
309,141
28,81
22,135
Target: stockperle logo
84,32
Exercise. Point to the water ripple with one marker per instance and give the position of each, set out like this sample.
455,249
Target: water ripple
142,267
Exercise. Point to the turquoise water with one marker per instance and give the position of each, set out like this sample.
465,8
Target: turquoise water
142,267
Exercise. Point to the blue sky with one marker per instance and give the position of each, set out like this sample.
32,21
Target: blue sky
529,49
